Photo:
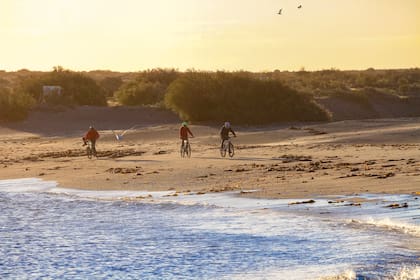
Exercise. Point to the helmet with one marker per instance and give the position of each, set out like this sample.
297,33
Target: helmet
184,124
227,124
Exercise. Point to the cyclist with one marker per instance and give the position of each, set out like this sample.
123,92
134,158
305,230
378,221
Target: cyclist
92,135
224,133
183,133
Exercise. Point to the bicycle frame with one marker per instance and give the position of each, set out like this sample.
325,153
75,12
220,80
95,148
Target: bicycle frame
226,144
227,147
90,149
185,148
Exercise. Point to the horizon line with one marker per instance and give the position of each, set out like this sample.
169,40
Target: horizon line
302,69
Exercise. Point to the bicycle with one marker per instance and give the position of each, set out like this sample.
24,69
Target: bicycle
90,149
227,146
185,149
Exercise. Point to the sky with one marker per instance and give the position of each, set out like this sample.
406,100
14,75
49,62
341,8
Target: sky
134,35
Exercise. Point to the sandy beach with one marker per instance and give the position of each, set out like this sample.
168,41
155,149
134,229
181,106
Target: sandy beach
150,213
299,160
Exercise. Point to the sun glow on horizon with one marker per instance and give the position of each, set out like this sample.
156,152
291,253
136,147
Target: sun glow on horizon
130,35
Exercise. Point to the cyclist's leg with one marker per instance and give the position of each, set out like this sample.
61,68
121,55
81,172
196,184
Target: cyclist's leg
231,149
187,148
88,150
93,147
183,146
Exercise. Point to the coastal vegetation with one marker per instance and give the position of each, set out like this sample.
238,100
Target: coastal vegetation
14,104
239,97
77,88
148,88
248,97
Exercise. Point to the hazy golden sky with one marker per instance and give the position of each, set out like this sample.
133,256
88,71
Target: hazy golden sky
132,35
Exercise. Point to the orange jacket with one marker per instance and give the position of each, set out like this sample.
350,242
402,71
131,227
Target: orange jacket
92,134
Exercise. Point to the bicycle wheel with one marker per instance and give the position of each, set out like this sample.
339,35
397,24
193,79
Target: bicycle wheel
223,150
188,150
182,151
93,151
89,152
231,150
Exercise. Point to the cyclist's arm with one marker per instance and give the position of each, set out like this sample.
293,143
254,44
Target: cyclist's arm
233,132
189,131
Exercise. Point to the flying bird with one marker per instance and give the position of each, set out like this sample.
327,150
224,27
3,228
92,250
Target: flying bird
119,136
280,11
300,6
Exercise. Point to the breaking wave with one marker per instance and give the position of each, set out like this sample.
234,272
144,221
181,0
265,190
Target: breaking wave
389,224
405,273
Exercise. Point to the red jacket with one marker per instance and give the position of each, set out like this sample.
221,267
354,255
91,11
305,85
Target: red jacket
92,134
183,133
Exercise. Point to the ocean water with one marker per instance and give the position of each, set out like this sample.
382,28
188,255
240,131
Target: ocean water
52,233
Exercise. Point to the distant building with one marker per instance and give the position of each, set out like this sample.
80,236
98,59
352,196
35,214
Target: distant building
50,91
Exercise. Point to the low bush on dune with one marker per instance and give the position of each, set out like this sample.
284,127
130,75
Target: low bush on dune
159,75
78,89
110,85
148,88
399,81
14,105
239,97
140,93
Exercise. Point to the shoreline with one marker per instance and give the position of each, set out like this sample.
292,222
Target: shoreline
395,212
52,186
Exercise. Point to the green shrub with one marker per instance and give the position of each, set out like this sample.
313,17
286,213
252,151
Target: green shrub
159,75
83,90
148,88
14,105
140,93
240,98
78,89
110,85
